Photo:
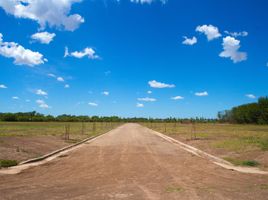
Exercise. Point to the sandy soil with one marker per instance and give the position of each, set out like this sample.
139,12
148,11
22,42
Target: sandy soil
21,148
131,163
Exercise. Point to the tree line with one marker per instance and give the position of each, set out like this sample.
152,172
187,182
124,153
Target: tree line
252,113
38,117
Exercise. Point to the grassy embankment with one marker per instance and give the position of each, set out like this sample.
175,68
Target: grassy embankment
13,133
238,144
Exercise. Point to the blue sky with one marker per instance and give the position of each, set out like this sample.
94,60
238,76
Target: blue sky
101,57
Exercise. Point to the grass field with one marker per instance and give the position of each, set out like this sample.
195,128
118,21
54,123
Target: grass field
239,144
24,140
77,129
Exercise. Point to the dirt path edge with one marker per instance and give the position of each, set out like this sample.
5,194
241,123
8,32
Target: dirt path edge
216,160
47,157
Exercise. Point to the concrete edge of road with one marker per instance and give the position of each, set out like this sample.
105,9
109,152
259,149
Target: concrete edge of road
216,160
48,157
57,151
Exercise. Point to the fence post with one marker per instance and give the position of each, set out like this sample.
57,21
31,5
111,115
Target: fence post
193,132
67,132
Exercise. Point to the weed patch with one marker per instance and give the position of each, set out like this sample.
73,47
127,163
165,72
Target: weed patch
173,189
237,162
8,163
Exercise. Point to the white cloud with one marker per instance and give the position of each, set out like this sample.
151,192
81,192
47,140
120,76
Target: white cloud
106,93
54,13
155,84
210,31
147,99
147,1
43,37
60,79
66,86
201,94
15,98
139,105
41,92
149,92
52,75
177,98
42,104
189,41
237,34
93,104
267,64
251,96
231,48
3,86
89,52
20,55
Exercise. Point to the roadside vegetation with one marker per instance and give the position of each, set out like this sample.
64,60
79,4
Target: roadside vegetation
8,163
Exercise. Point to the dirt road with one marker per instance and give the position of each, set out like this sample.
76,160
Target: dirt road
131,163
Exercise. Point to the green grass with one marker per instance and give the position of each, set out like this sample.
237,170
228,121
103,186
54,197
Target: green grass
232,137
264,186
8,163
173,189
54,129
247,163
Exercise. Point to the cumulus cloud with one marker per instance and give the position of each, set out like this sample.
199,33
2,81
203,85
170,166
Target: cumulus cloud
41,92
147,1
20,55
177,98
210,31
3,86
139,105
42,104
149,92
89,52
201,94
93,104
155,84
54,13
106,93
15,98
147,99
43,37
231,48
60,79
189,41
251,96
237,34
66,86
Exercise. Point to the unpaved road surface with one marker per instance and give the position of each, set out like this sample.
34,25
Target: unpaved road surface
131,163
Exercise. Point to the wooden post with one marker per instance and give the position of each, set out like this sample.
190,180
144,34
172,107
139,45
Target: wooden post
193,132
67,132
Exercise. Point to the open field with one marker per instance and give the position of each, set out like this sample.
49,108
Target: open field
23,140
239,144
131,162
